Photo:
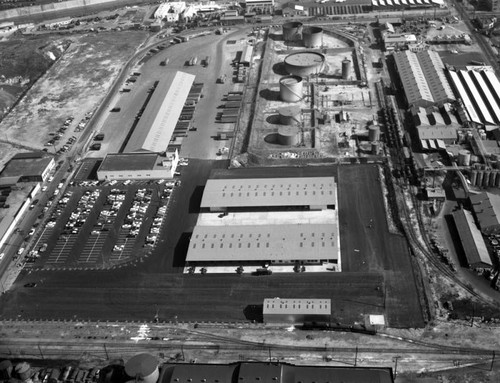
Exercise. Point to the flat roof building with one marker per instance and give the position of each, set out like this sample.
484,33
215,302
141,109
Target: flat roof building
272,373
123,166
155,128
27,167
297,311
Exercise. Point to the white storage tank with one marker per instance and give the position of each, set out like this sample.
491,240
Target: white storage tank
288,135
143,368
291,88
374,133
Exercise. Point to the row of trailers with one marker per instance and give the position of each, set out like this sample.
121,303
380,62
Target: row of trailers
185,119
232,107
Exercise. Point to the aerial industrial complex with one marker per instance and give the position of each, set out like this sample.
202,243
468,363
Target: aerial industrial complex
318,182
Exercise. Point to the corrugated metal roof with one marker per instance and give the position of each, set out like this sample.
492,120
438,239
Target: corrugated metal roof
246,57
476,97
471,110
263,243
297,306
269,192
154,130
471,239
412,76
486,95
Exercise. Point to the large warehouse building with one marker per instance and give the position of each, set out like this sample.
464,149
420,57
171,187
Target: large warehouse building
27,167
155,128
423,78
480,95
266,221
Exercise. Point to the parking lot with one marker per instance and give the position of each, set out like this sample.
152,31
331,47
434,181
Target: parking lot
100,226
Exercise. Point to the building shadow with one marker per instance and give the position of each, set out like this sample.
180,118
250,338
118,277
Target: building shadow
195,200
180,250
254,313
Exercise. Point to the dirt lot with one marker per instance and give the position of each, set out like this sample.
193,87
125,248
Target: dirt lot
74,85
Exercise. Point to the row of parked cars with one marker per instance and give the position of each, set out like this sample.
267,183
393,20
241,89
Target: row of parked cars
134,219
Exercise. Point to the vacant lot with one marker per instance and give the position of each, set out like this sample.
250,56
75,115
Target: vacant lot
74,85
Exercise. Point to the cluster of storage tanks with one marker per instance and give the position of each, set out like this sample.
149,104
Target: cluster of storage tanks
21,372
485,178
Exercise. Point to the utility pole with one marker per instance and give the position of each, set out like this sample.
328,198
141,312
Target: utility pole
492,361
356,357
395,359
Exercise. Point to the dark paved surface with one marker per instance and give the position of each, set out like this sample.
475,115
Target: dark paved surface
134,292
369,247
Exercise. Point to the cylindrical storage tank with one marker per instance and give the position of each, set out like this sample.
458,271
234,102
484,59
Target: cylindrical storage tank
23,369
463,158
374,133
493,176
346,69
6,369
143,367
497,179
304,63
291,88
479,180
375,147
486,178
312,37
290,115
473,177
292,31
288,135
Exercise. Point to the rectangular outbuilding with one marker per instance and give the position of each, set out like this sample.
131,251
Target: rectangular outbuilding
297,311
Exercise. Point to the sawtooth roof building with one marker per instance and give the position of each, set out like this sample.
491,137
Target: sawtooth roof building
297,311
155,128
472,240
423,78
479,91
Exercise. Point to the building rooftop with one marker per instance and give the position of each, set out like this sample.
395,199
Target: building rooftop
269,192
297,306
129,161
471,239
263,242
155,128
487,209
26,164
246,372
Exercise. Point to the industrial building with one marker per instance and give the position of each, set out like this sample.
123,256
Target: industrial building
472,241
297,311
134,166
155,128
480,95
435,128
313,193
486,208
27,167
259,6
277,220
271,373
423,78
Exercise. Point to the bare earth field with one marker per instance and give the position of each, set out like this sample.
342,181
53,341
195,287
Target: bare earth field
72,86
